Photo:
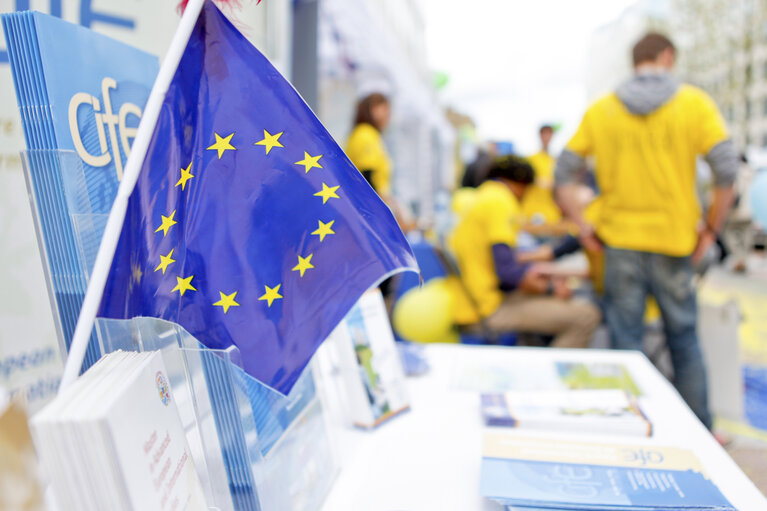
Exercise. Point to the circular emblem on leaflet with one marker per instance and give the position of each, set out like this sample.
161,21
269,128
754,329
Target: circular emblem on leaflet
163,388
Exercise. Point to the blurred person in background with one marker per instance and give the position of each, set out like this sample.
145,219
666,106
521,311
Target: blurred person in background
645,138
476,171
367,151
504,294
538,205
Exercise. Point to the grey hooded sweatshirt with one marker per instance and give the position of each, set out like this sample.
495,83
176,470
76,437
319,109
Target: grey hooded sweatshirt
641,95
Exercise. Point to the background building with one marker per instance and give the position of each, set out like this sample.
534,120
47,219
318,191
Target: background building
723,49
372,46
610,48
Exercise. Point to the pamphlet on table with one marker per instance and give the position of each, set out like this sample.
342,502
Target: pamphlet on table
541,374
372,380
573,411
597,375
547,473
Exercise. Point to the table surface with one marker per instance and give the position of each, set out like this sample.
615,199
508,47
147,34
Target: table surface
429,458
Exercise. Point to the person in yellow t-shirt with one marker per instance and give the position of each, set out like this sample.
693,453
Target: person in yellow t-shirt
365,148
644,139
538,204
509,296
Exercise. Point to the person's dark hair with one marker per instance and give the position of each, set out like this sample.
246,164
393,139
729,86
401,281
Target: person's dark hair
513,168
365,107
546,127
649,47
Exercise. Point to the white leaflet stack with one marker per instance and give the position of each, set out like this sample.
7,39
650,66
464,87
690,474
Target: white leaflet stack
114,440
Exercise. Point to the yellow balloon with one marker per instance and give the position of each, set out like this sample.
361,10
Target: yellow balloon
426,314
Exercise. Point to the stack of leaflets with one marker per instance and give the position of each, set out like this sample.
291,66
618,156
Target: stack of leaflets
81,96
575,411
526,473
372,381
114,440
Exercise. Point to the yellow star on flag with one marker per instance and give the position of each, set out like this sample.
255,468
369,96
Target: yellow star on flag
186,175
184,285
324,229
227,301
328,192
272,294
309,162
136,273
167,223
304,263
165,261
270,141
222,144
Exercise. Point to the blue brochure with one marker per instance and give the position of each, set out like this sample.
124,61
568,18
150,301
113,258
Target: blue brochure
543,473
83,93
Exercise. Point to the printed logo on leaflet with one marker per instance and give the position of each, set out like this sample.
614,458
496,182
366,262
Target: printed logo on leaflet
107,122
163,388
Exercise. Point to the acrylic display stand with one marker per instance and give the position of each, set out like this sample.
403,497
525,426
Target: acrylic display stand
55,200
253,447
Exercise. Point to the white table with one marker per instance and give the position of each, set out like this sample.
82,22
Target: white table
429,458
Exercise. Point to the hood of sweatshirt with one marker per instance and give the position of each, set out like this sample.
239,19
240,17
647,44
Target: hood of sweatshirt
646,92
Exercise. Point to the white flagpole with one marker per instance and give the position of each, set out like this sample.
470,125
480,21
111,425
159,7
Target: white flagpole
116,218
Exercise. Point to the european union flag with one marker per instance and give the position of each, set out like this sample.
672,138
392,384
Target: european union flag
248,225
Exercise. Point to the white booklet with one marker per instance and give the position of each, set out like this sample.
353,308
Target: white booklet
114,440
576,411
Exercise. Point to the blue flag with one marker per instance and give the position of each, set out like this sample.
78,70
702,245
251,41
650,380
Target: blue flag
248,225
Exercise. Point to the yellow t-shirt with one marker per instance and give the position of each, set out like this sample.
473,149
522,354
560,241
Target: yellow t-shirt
538,203
493,217
645,168
365,148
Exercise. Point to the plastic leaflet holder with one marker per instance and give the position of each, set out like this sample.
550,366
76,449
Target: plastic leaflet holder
253,447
